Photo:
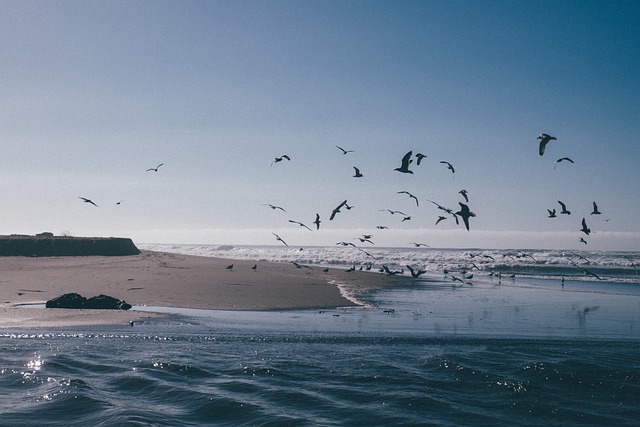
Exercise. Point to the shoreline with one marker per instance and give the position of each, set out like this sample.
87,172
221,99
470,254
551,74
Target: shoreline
164,279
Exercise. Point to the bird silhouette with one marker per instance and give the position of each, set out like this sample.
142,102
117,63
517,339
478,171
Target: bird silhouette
337,210
343,150
564,208
406,160
464,194
155,169
410,195
300,224
586,230
278,238
552,213
465,213
406,218
419,157
274,207
317,222
440,218
563,159
544,140
281,158
417,245
230,267
449,166
595,209
392,212
357,173
415,273
87,201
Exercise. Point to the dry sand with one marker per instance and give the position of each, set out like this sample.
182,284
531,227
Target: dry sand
169,280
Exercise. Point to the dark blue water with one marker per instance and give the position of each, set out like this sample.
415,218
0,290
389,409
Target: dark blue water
527,354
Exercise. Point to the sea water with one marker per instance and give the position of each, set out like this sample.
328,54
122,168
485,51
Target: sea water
512,345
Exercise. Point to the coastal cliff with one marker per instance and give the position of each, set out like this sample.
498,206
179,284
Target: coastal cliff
46,245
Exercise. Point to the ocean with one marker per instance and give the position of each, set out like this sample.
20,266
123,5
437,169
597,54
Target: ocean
521,338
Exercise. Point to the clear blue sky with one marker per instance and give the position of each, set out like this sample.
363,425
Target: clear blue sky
92,93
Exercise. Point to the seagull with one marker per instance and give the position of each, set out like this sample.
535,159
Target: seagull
230,267
406,218
440,218
382,227
595,209
544,140
415,273
156,168
406,160
346,244
588,272
278,238
344,151
419,156
357,173
564,208
300,224
410,195
118,202
363,240
563,159
255,267
88,201
392,212
281,158
464,194
317,222
417,245
552,213
337,210
274,207
449,166
586,230
465,213
583,241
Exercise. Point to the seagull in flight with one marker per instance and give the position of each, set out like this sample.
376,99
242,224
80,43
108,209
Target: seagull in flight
464,194
279,239
300,224
415,273
465,213
440,218
155,169
88,201
274,207
357,173
317,222
417,245
410,195
586,230
406,160
391,211
563,159
337,210
449,166
595,209
343,150
419,157
281,158
552,213
382,227
544,140
564,208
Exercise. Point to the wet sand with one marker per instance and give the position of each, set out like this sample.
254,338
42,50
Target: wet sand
169,280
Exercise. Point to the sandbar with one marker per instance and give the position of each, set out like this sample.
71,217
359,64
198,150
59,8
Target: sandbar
162,279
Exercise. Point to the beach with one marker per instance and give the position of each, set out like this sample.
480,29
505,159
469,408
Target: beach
169,280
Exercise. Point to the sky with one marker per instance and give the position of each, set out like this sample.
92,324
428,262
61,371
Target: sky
94,93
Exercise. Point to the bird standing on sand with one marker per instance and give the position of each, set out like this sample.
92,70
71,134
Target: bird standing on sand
406,160
465,213
564,209
544,140
87,201
230,267
595,209
156,168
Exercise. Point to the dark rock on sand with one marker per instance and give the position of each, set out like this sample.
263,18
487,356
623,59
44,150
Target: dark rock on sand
77,301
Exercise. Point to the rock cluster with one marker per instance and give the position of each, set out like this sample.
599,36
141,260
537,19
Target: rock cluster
77,301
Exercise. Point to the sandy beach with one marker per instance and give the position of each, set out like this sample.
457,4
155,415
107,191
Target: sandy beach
168,280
